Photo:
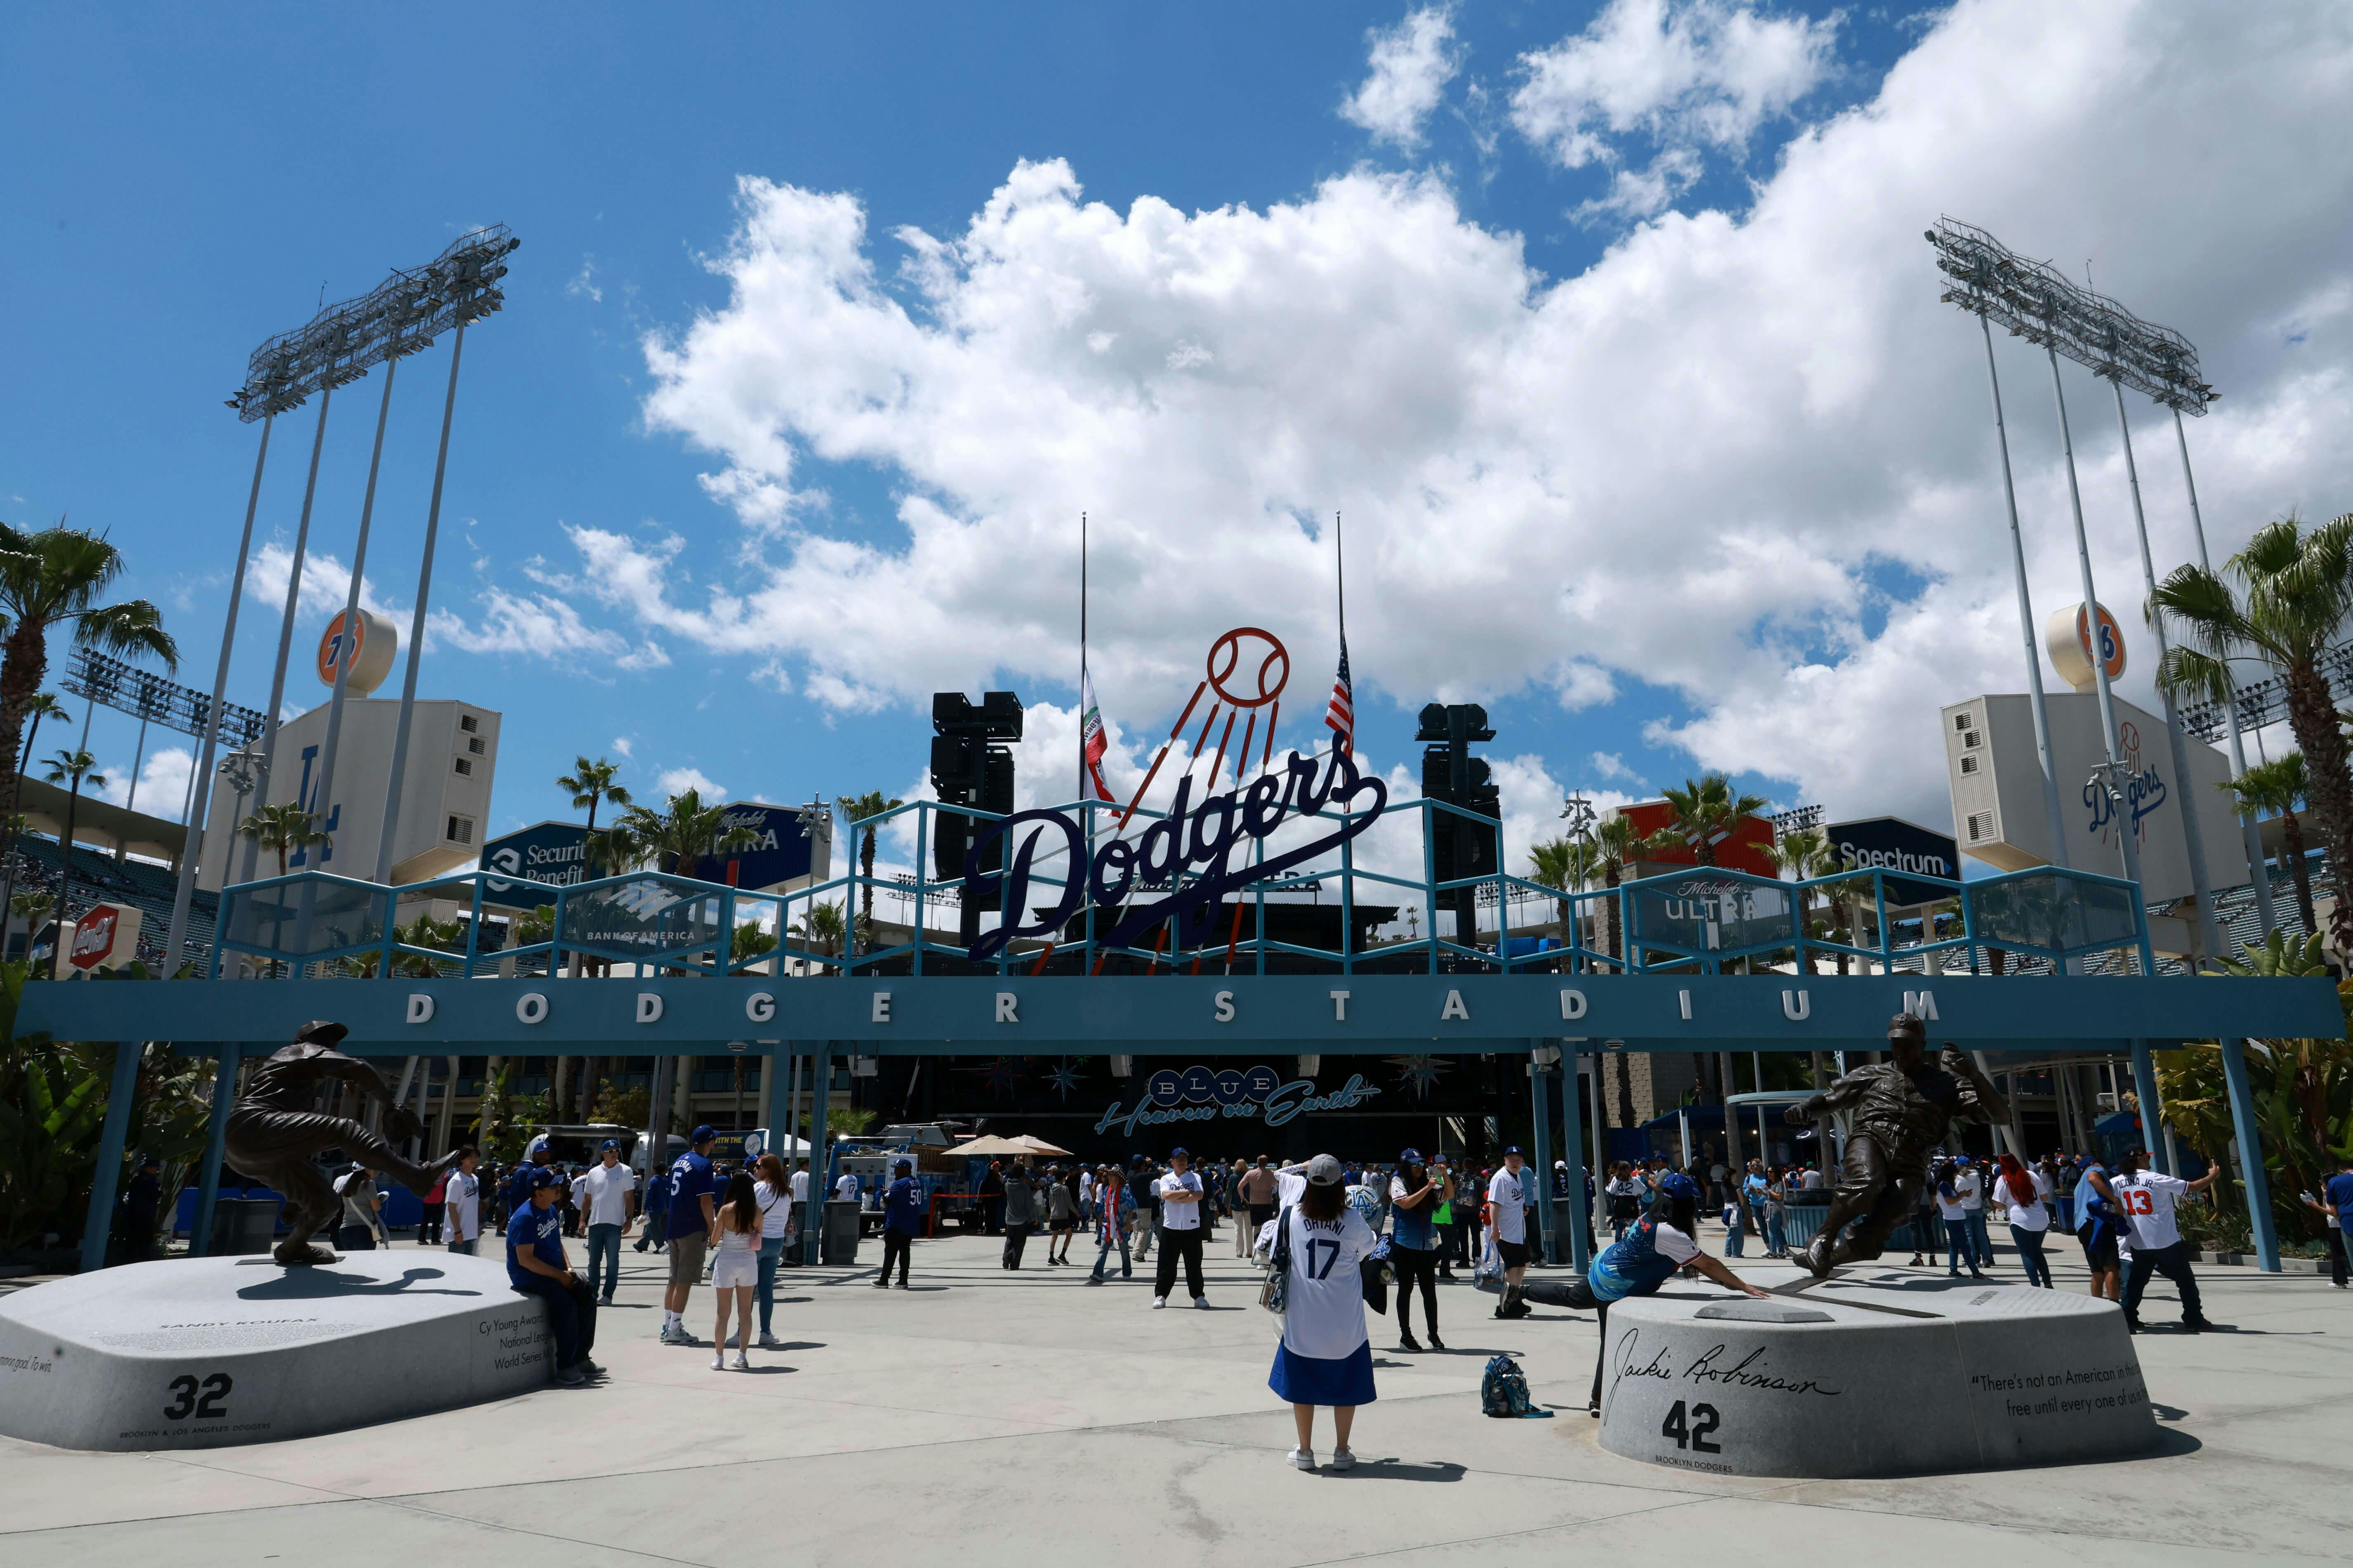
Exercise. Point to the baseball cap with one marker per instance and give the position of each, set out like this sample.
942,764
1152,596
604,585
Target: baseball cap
1960,1159
1323,1171
1514,1149
703,1134
539,1145
612,1143
905,1165
1180,1148
1675,1184
541,1176
1410,1157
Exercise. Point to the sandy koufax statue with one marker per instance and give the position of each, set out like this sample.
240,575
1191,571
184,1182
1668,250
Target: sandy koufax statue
1903,1110
274,1131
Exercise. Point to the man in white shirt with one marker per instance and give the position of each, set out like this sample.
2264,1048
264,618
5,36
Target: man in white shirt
1969,1182
1179,1191
2147,1198
800,1201
1507,1222
461,1204
608,1196
845,1189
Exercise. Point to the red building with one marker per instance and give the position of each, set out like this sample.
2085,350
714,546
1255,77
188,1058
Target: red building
1745,850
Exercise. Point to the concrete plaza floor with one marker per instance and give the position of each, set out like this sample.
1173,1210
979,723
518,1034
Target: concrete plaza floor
985,1418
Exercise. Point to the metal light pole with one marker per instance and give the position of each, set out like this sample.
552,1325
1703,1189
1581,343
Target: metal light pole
199,799
2125,830
348,648
2041,707
2256,872
2193,839
286,633
417,624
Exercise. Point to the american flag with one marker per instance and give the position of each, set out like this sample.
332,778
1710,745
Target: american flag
1340,718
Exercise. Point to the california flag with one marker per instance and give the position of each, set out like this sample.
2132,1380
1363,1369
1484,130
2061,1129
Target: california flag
1092,741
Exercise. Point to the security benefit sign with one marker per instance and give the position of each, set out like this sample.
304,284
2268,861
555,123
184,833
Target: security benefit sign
1891,844
1210,1094
1202,852
525,864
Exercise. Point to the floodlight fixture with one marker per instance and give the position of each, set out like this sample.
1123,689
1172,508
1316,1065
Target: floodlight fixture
401,316
2035,302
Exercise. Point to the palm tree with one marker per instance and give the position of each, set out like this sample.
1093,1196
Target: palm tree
588,782
1562,863
281,827
44,705
55,577
2296,593
865,808
1706,810
2277,789
685,832
751,942
608,851
76,765
1805,855
1622,846
820,930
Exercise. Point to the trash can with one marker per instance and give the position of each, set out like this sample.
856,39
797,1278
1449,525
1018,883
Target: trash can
838,1242
242,1227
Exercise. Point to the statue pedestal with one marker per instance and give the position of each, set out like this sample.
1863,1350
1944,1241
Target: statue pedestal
1875,1371
213,1352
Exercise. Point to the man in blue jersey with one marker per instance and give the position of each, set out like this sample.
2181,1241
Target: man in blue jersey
1646,1257
536,1267
691,1217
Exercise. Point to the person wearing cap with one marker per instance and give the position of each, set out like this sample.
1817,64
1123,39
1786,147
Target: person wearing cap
536,1267
1020,1204
2147,1198
1324,1357
461,1201
1971,1185
655,1205
362,1219
1507,1222
514,1192
1650,1252
902,1217
1415,1193
692,1213
608,1196
1179,1193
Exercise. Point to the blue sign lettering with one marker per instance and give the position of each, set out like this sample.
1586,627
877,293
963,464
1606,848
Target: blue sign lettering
1199,1094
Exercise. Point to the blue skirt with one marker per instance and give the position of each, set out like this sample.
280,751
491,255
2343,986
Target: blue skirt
1310,1380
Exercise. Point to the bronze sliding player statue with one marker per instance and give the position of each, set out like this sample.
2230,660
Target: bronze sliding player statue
274,1131
1902,1109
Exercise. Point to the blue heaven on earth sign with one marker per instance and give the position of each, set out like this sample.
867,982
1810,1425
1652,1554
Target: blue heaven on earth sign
1206,1094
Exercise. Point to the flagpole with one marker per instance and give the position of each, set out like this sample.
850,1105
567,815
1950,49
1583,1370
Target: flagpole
1340,558
1086,793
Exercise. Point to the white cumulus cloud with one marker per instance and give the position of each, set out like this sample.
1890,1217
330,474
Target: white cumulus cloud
1690,467
1411,64
1685,75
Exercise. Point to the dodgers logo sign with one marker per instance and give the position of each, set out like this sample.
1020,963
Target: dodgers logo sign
1196,842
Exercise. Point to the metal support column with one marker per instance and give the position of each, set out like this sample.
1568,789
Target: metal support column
820,1170
417,623
285,638
776,1110
2247,829
2051,799
2152,1107
2245,1127
1540,1113
2193,839
200,1232
347,651
1572,1149
200,779
2126,838
108,1178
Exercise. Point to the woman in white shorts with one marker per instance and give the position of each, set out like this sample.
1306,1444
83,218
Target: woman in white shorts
734,1267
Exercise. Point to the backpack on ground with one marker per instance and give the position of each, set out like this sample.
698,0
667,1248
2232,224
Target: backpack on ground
1503,1391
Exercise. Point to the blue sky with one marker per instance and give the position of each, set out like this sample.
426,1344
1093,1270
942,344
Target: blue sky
186,183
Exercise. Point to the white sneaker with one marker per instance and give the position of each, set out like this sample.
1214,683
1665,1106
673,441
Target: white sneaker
1158,1302
1302,1458
743,1363
719,1363
1342,1459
